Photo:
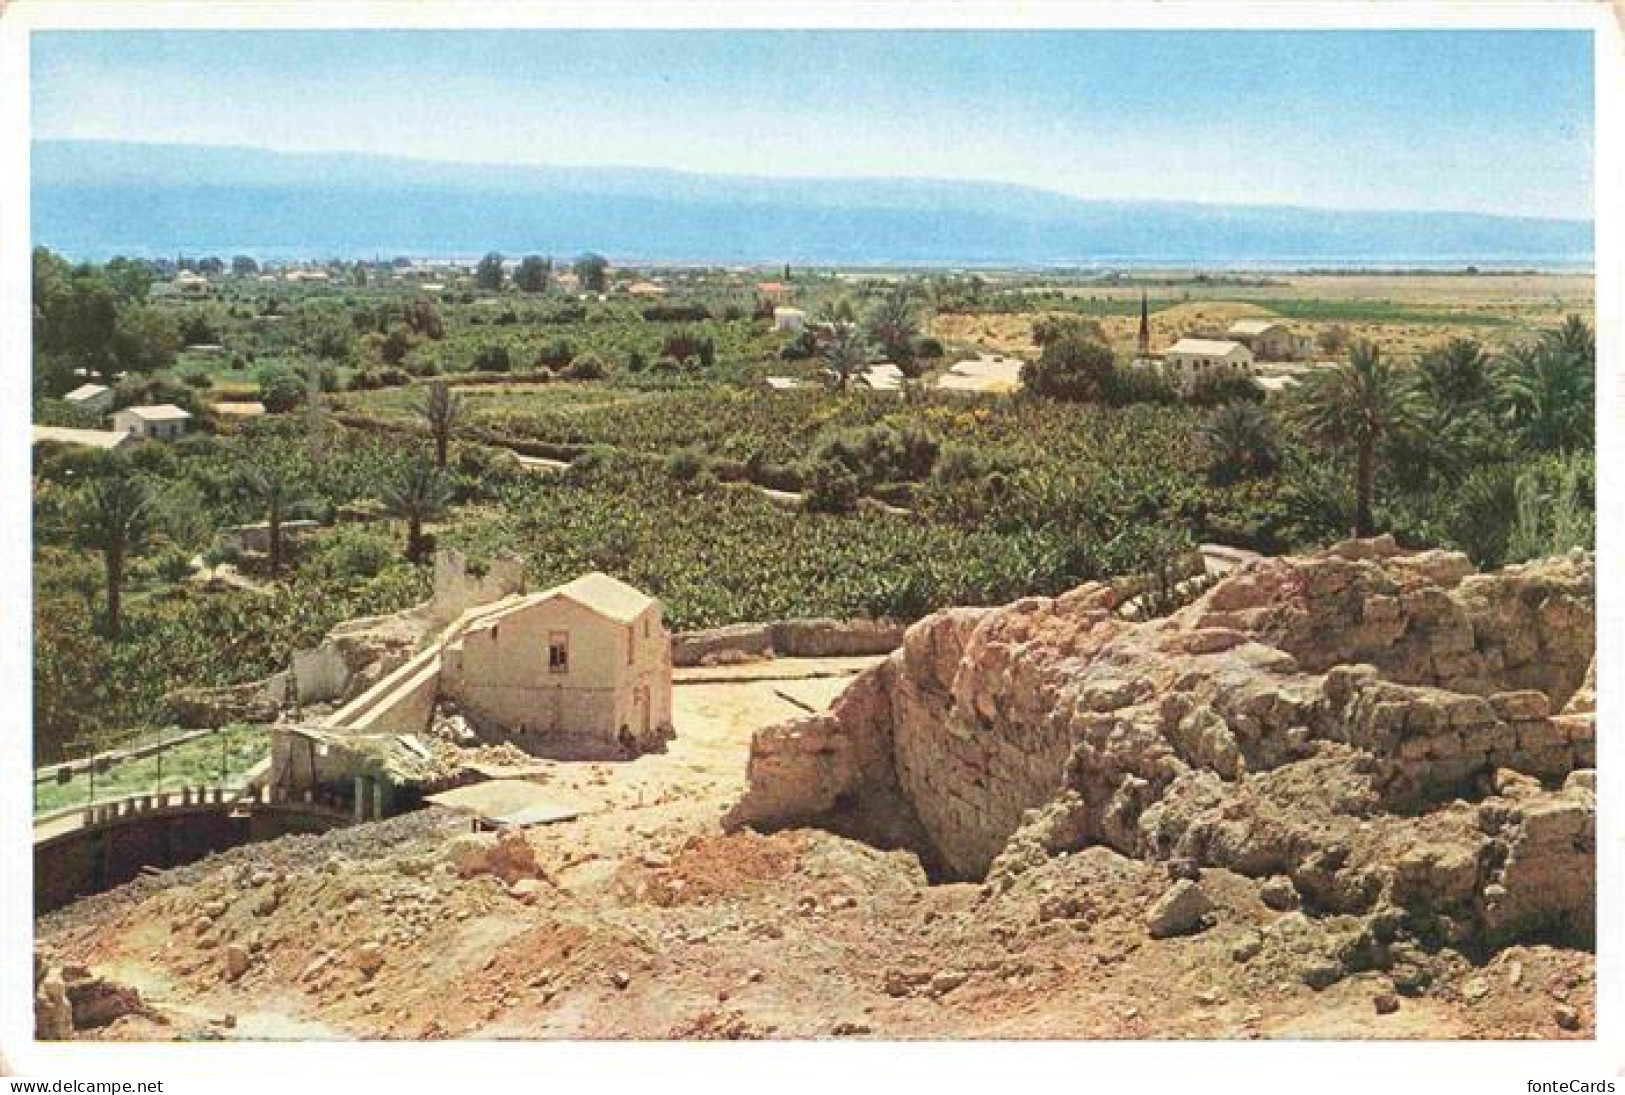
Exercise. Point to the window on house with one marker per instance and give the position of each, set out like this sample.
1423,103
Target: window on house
558,651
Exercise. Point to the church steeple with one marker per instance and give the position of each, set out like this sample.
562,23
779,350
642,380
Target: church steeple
1145,326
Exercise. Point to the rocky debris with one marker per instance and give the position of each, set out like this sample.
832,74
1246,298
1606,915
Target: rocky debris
1566,1017
1279,893
71,998
236,961
369,958
1369,731
53,1014
1180,911
506,854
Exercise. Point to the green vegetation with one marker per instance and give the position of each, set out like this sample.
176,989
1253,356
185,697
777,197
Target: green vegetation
401,404
219,759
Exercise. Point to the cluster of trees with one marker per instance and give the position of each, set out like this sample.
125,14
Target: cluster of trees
1491,452
846,340
95,321
534,274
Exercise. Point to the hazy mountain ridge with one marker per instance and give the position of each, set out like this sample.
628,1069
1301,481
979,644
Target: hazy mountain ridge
93,199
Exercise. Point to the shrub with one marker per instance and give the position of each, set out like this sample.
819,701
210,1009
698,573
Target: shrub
586,366
685,464
831,488
281,389
492,358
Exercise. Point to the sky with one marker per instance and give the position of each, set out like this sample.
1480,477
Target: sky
1480,121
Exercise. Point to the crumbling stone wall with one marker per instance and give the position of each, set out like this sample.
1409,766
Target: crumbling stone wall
1308,716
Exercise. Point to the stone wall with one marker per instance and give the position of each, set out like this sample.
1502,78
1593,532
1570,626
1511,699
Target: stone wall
1362,679
799,638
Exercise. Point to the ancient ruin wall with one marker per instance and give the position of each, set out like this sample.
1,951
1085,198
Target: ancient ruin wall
984,715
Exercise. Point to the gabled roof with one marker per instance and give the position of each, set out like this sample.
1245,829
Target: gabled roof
606,596
1254,326
1212,347
86,391
158,412
609,597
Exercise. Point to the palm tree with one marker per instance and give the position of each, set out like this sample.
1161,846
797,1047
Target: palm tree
275,488
1358,405
1456,380
845,355
836,311
1549,394
114,516
893,323
442,409
1239,439
418,494
1549,387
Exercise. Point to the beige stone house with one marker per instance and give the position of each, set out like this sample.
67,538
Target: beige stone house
159,422
1270,340
589,661
1191,359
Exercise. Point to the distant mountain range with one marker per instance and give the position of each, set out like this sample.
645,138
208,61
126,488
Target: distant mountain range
95,199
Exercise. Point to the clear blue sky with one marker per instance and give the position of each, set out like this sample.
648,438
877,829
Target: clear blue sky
1487,121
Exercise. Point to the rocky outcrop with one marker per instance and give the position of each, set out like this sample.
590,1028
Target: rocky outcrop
1386,733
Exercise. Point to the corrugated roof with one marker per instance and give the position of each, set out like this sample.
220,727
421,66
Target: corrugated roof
1212,347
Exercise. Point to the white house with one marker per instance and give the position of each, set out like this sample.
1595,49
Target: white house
1191,359
1269,339
159,422
95,398
188,282
583,666
789,319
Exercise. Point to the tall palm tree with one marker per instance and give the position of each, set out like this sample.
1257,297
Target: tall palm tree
442,409
1239,439
275,487
114,515
418,494
1456,380
845,355
893,323
1549,390
1357,406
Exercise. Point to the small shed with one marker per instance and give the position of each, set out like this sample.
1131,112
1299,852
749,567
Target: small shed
793,320
95,398
1269,339
157,422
